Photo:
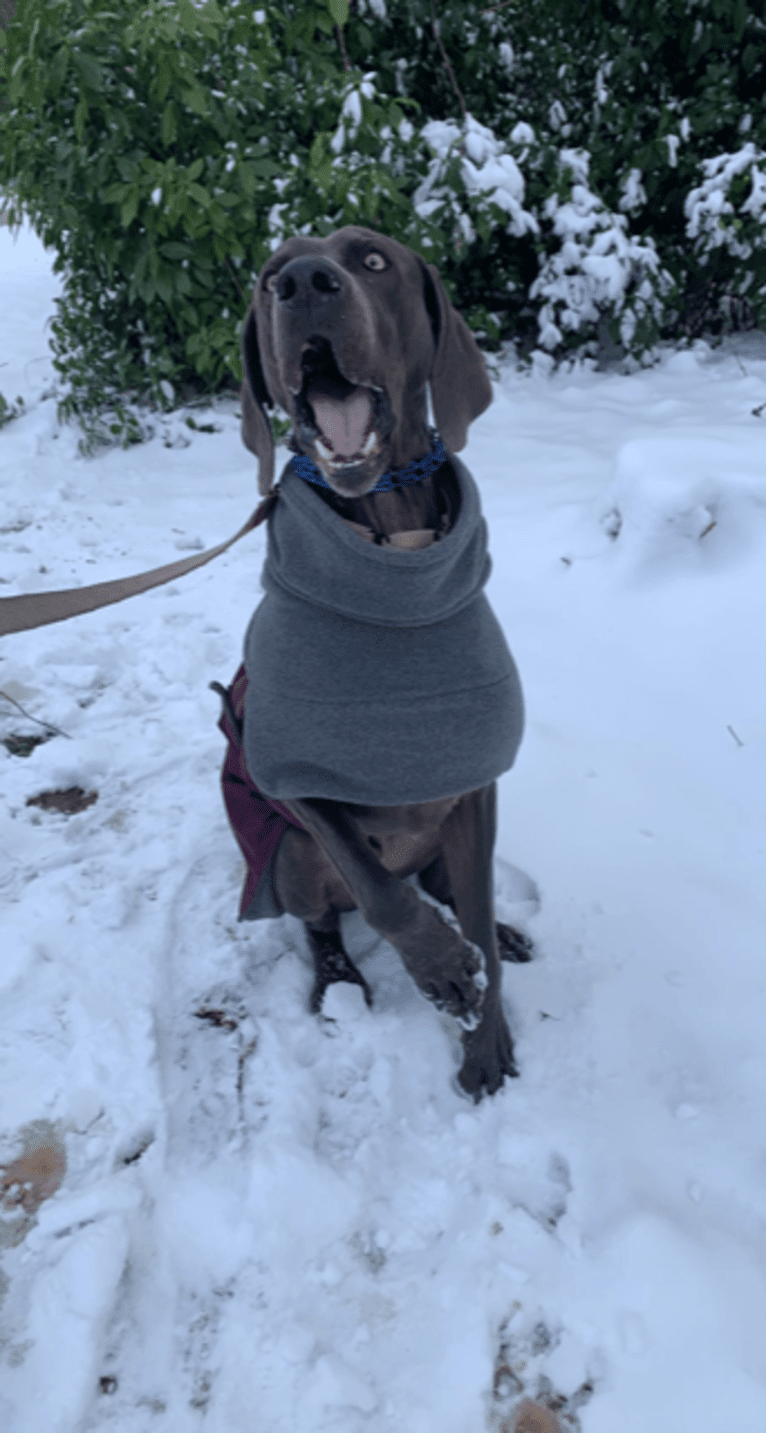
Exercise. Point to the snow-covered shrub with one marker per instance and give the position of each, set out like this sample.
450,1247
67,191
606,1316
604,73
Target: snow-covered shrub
473,221
164,150
355,171
473,181
138,145
595,269
727,212
9,411
590,268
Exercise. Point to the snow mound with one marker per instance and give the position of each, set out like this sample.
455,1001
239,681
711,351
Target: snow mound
684,504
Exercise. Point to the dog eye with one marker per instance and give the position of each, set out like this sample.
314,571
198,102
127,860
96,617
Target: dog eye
376,262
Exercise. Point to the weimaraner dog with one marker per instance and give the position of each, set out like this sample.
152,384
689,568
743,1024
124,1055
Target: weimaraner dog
344,334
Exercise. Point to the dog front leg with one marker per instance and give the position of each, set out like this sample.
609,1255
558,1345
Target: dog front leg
447,968
468,840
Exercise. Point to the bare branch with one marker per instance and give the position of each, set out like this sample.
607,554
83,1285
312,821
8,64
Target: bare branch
445,57
234,275
342,43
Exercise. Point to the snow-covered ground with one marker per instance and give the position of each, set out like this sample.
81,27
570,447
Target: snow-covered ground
273,1222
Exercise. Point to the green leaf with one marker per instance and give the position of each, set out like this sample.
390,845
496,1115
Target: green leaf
324,175
91,73
16,84
127,167
129,209
245,176
339,11
165,286
196,100
317,151
164,80
80,116
169,123
188,17
195,191
174,250
265,168
195,169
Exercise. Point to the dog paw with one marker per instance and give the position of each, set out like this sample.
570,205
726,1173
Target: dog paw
449,970
332,965
349,977
513,945
488,1058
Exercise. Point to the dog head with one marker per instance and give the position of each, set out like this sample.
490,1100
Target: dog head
344,333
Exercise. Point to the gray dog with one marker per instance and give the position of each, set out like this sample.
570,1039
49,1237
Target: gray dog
382,701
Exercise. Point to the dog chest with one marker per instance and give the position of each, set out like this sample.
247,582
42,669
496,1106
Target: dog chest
376,676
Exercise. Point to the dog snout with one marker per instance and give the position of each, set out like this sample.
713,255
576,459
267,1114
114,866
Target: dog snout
308,282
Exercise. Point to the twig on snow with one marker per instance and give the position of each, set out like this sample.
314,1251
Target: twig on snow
47,725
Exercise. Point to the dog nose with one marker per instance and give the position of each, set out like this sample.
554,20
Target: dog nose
307,281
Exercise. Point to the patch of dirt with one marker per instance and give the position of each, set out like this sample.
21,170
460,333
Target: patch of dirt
28,1180
68,802
18,745
220,1019
523,1398
138,1148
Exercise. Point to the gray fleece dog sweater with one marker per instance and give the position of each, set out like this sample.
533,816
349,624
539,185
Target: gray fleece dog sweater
376,676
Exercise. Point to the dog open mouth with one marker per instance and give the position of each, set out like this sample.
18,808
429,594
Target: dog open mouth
345,423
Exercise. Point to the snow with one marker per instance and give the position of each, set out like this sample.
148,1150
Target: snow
598,267
486,168
633,193
351,112
297,1223
706,205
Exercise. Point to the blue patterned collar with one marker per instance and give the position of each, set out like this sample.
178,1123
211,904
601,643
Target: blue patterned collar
393,478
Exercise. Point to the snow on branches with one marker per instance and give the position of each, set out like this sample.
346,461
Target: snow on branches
728,210
594,267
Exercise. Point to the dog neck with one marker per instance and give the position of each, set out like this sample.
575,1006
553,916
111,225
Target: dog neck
422,495
432,504
412,472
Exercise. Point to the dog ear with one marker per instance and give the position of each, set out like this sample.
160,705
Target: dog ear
256,428
460,385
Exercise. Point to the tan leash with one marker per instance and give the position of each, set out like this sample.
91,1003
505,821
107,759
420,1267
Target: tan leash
37,609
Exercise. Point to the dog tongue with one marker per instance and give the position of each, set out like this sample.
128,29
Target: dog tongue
343,421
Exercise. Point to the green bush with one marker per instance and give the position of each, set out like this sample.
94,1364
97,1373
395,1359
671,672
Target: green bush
726,219
588,178
8,411
138,148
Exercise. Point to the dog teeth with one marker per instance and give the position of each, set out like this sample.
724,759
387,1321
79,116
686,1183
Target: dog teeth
329,456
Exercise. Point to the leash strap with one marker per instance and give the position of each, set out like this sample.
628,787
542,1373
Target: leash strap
38,609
